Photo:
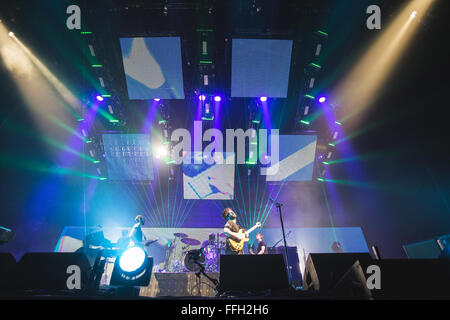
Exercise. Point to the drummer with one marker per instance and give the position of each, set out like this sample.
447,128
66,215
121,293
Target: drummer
211,240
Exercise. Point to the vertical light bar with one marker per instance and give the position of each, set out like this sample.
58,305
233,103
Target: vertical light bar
91,49
306,110
204,48
318,49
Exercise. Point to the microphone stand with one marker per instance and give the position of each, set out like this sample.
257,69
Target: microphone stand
278,205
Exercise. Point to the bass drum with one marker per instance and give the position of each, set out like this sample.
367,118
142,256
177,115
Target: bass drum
192,259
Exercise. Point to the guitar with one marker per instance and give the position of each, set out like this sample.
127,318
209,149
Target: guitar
238,245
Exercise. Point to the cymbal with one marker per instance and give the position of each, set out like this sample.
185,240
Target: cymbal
180,235
192,242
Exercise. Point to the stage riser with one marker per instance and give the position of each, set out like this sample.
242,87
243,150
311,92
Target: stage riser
179,285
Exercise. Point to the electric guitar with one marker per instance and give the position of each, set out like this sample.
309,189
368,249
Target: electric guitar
238,245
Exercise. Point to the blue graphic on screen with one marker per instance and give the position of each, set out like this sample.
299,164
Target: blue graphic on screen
128,156
153,67
209,181
260,67
296,158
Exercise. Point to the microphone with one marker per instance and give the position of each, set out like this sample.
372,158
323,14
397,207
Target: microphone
276,203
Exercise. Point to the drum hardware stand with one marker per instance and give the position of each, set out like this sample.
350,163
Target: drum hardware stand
195,259
202,271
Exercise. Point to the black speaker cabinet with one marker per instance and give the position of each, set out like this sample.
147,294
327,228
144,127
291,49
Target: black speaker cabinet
323,270
252,272
52,271
7,265
294,263
398,279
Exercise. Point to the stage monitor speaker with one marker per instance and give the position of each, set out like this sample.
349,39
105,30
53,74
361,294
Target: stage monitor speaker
52,271
7,265
399,279
323,270
294,263
245,273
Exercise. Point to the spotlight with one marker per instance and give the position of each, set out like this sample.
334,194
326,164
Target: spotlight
132,259
217,98
263,99
202,97
132,268
157,99
322,99
413,14
100,98
11,34
161,152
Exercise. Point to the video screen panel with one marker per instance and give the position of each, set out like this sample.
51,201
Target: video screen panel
209,181
153,67
296,159
260,67
128,157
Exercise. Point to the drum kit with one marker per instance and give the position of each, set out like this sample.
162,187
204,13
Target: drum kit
180,252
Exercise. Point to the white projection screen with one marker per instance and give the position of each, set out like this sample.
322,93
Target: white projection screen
153,67
260,67
296,158
210,181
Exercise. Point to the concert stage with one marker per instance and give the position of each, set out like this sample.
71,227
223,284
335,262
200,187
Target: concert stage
217,150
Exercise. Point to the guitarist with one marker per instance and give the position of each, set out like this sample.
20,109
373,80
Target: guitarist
262,245
231,229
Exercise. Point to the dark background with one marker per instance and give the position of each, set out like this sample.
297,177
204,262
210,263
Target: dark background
406,195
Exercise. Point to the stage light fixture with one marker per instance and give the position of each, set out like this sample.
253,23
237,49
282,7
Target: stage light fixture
305,122
11,34
100,98
161,151
202,97
132,268
322,99
263,99
217,98
132,259
157,99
